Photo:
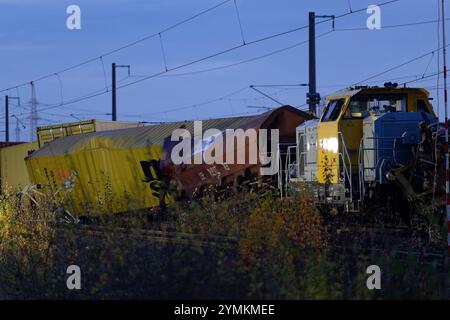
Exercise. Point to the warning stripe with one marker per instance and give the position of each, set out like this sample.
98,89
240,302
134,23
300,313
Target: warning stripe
447,175
447,162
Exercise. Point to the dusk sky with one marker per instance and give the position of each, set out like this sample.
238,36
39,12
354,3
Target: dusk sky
36,42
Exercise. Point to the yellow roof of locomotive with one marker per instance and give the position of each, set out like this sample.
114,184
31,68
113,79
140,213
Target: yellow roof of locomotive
350,92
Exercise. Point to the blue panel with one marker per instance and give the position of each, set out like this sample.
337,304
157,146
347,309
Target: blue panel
395,134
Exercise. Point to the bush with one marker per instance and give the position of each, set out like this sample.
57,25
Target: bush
278,249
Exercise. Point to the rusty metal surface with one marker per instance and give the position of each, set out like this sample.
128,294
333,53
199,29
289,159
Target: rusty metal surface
120,164
116,159
190,177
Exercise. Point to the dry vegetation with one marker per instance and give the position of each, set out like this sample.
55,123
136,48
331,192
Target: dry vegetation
283,251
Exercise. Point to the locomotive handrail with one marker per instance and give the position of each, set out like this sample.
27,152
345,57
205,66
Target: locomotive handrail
280,169
380,170
284,167
301,155
289,165
361,169
280,165
347,170
376,148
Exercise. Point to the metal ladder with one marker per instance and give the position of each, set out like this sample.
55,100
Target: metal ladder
346,169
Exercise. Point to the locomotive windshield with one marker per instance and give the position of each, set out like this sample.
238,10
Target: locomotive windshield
333,110
360,105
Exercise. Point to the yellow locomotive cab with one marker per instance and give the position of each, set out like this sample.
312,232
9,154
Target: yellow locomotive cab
341,126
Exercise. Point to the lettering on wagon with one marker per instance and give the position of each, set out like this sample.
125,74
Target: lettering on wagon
152,176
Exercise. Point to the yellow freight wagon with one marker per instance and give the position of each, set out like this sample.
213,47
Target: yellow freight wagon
47,134
13,170
110,171
104,172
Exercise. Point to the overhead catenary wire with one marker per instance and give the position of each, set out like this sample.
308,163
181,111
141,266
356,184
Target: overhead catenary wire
250,43
398,66
87,61
209,101
183,22
267,96
403,25
413,77
428,65
105,90
227,97
104,73
416,78
163,52
175,109
240,62
49,106
60,87
424,78
100,92
239,21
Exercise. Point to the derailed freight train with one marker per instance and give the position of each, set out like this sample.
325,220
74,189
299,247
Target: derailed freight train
372,149
120,170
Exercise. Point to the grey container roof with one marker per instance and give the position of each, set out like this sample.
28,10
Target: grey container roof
154,135
132,137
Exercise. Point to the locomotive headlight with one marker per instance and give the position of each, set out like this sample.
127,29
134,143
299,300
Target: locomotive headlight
330,144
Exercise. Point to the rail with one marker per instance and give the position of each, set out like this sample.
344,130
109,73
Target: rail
158,236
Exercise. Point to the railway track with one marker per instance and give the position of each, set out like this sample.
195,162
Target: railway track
421,257
398,242
156,236
353,239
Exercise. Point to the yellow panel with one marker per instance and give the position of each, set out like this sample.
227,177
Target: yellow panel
80,128
13,169
47,134
352,132
105,180
327,152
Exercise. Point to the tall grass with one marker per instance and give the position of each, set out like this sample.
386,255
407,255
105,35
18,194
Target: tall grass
283,250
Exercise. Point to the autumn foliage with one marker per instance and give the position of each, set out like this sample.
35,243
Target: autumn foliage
277,249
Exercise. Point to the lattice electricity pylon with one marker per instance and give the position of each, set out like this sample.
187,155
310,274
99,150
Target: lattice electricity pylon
33,114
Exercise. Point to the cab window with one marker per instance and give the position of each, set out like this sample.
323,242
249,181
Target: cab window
333,110
357,109
360,106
